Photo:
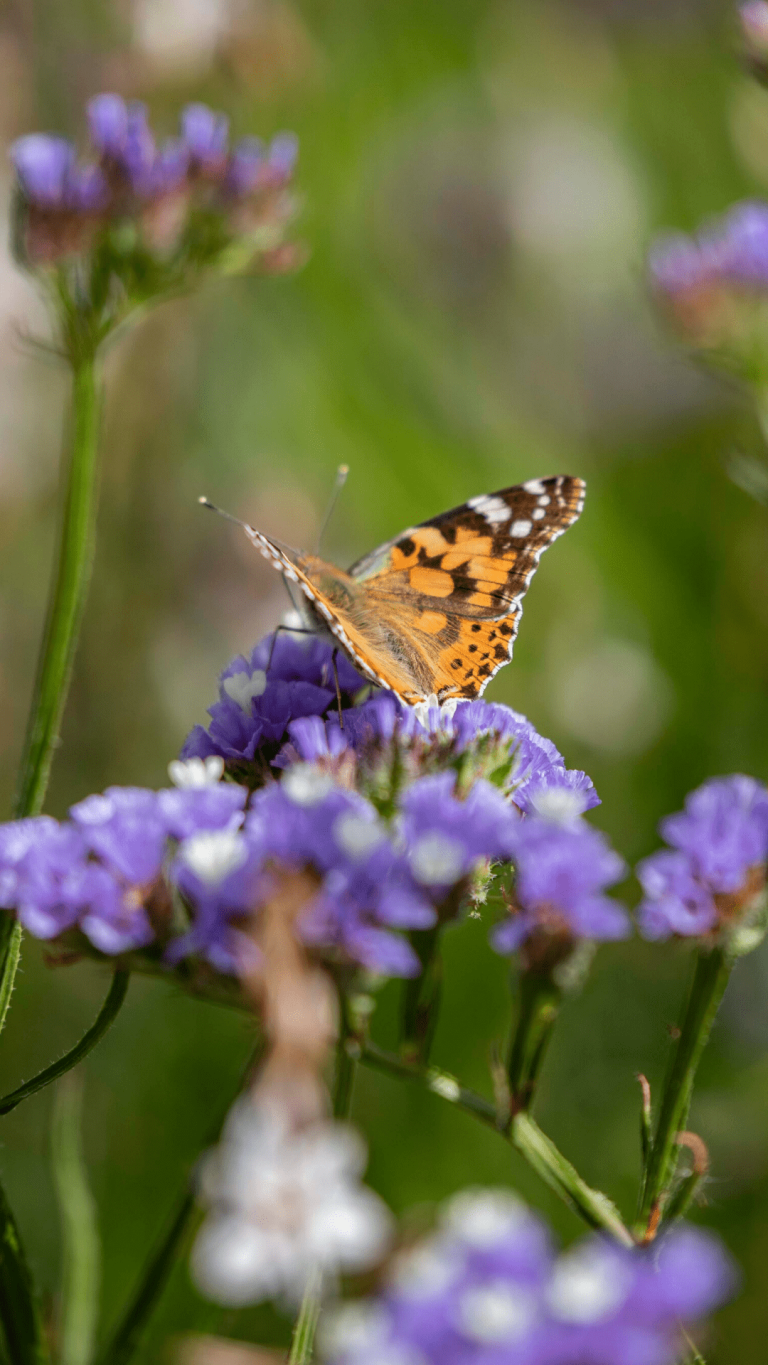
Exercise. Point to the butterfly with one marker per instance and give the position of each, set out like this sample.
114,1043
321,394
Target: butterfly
432,615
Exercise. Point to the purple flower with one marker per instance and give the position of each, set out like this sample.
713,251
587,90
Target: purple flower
754,25
721,843
246,165
562,871
43,164
108,124
125,829
255,708
282,155
205,135
488,1289
732,251
139,151
446,837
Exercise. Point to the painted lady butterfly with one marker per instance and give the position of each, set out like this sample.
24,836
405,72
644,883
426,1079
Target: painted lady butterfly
433,614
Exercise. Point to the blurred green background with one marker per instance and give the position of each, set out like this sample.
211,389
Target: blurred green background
480,180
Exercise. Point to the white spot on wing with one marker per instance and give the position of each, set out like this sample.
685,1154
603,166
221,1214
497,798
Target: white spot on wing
521,529
493,510
534,486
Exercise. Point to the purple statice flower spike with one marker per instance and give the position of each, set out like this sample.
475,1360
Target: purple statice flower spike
246,167
113,917
43,166
139,152
723,830
693,1273
108,124
205,135
282,155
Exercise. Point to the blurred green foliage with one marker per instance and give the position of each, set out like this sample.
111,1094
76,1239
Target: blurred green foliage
481,179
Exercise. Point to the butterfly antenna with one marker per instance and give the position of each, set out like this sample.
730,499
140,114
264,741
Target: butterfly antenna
341,479
227,515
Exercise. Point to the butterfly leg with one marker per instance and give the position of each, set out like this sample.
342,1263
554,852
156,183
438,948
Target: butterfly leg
338,689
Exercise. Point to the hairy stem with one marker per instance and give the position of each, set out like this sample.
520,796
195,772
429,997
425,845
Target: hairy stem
19,1313
524,1135
421,998
710,978
103,1021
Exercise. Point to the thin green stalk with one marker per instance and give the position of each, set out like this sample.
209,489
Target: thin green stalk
524,1135
347,1057
710,979
65,608
537,1012
122,1345
19,1313
303,1342
421,997
68,593
103,1021
80,1233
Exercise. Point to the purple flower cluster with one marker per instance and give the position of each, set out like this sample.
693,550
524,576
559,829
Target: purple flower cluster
285,678
67,200
488,1289
716,864
729,254
98,870
478,740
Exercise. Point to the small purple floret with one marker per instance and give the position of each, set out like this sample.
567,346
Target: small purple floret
719,838
108,124
43,164
205,134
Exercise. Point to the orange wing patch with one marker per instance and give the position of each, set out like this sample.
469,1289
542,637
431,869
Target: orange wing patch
481,649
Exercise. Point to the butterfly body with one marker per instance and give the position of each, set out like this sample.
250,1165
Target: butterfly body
434,613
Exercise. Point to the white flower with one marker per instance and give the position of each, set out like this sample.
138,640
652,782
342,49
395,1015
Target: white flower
484,1217
434,858
213,854
357,835
496,1312
561,805
306,785
243,687
282,1206
193,773
588,1284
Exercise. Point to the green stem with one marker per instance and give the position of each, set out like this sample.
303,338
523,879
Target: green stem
347,1057
421,999
713,968
538,1009
303,1342
68,593
104,1020
524,1135
80,1232
19,1314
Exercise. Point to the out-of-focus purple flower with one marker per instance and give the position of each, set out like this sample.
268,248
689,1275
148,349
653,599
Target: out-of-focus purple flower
562,871
205,135
721,843
282,155
125,828
255,708
731,252
753,17
139,150
246,165
108,124
43,164
446,837
488,1289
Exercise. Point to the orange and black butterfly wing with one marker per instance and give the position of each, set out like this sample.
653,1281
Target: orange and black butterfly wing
455,584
